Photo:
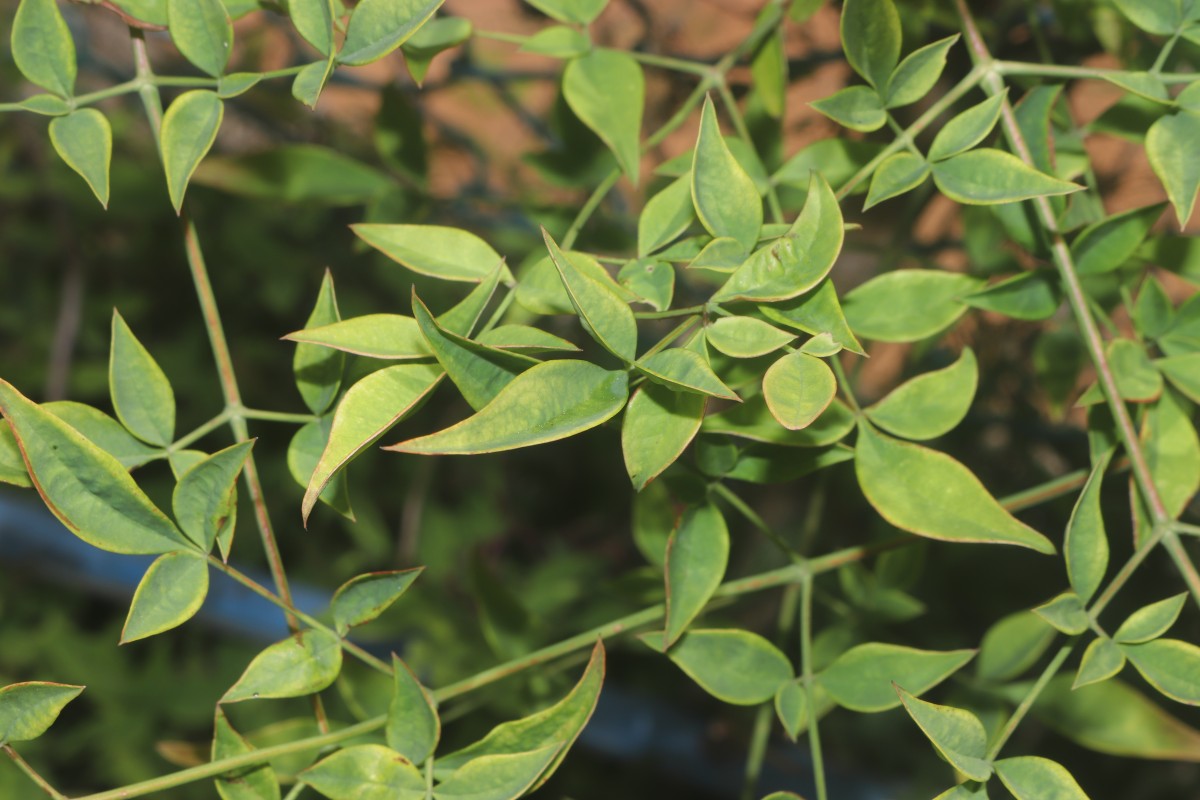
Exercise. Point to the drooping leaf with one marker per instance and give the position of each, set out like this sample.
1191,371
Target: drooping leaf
434,250
734,666
1085,548
300,665
204,499
170,593
363,598
931,404
1065,612
42,47
318,370
203,32
365,772
917,74
27,710
413,727
1034,295
657,427
1150,622
369,409
86,488
141,394
1101,660
1169,665
861,678
256,782
1036,778
189,128
899,173
697,554
985,177
870,32
798,388
858,108
796,262
957,734
603,313
606,90
666,216
967,129
745,337
377,27
83,139
725,197
907,305
928,493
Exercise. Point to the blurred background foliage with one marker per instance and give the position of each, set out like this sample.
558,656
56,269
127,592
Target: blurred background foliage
523,548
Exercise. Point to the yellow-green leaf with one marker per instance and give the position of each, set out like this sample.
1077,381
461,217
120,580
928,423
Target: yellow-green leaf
862,678
256,782
734,666
365,772
657,427
986,177
606,90
170,593
931,404
602,311
685,370
956,733
798,388
1085,548
413,727
377,27
27,710
318,370
363,598
434,250
189,128
746,337
725,197
1036,778
42,46
83,139
205,499
300,665
697,554
141,394
202,31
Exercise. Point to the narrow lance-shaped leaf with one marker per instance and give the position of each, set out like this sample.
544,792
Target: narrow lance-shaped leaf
27,710
734,666
499,777
363,598
1085,547
256,782
1101,660
434,250
958,735
204,499
967,129
931,404
141,394
365,772
986,177
318,370
551,401
862,678
83,139
42,46
385,336
300,665
603,313
684,370
303,455
169,594
725,197
606,90
189,128
658,426
413,727
697,554
86,488
930,494
203,32
1150,622
377,27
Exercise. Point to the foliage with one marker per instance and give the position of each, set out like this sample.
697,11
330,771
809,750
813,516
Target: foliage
709,335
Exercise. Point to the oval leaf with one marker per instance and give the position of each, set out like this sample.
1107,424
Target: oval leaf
986,177
27,710
202,31
606,90
1102,660
1035,778
83,139
658,426
697,554
746,337
734,666
1150,622
861,678
931,404
434,250
251,783
907,305
798,388
387,336
378,27
300,665
365,772
170,593
42,46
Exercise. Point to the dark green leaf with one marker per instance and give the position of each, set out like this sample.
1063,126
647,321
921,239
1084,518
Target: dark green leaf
1065,612
1085,548
434,37
301,173
1108,244
1034,295
413,727
837,160
250,783
318,370
304,453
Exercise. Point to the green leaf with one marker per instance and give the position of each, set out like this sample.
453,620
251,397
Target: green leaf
1171,148
387,336
86,488
46,104
1137,379
666,216
855,107
917,74
205,499
318,370
652,281
769,72
837,160
304,453
559,724
314,21
1153,312
300,665
541,289
365,772
1161,17
42,46
83,139
557,41
931,404
899,173
816,312
734,666
12,465
256,782
967,129
498,777
907,305
525,339
862,678
987,177
464,315
369,409
791,706
413,727
377,27
606,90
1144,84
603,313
439,252
189,129
104,432
203,32
1172,452
1085,548
727,202
658,426
796,262
930,494
27,710
141,393
870,32
432,38
551,401
363,598
958,735
798,388
236,84
1035,778
479,372
753,420
1102,660
746,337
743,152
301,173
310,82
1170,665
1034,295
1150,622
1108,244
1065,612
1112,717
1012,645
697,554
971,790
579,12
170,593
771,465
1183,372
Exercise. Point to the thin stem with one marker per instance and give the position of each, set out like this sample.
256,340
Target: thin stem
131,85
743,508
1021,68
1183,527
671,313
670,62
845,385
1030,697
147,90
1127,570
1183,563
593,202
32,774
296,791
1165,53
814,734
675,333
277,416
208,427
761,733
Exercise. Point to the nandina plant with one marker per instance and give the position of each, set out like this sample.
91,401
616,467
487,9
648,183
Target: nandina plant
713,344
